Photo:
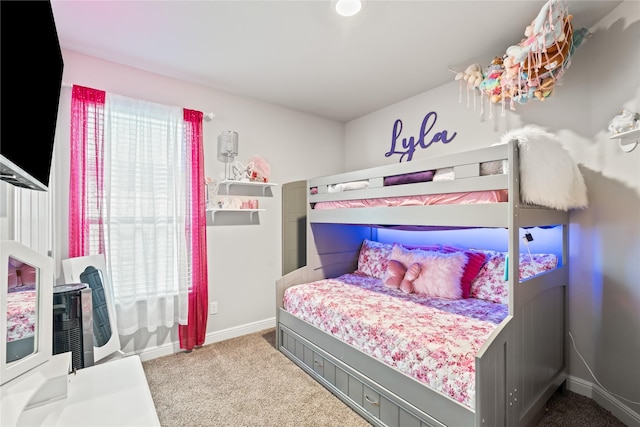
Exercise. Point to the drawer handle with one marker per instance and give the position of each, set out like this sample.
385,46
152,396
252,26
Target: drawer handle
369,400
318,363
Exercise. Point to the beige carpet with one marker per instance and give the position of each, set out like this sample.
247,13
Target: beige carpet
245,381
241,382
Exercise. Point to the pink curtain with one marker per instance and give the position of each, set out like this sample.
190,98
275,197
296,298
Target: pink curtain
193,333
87,134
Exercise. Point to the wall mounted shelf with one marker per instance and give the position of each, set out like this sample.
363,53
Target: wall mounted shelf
221,216
245,188
217,216
628,140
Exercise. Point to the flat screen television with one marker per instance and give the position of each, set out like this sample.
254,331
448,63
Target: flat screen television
30,82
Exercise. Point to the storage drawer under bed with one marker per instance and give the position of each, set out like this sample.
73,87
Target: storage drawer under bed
377,405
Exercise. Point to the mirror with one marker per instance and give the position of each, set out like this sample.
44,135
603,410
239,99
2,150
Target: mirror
92,270
26,283
22,313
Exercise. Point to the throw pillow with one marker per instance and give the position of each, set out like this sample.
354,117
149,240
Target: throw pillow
373,258
490,284
440,273
475,261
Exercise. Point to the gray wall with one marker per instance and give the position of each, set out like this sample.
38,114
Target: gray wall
604,293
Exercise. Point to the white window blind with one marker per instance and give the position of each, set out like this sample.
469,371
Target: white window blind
94,206
145,198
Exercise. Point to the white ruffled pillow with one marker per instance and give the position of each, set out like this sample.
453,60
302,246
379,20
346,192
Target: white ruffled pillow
440,273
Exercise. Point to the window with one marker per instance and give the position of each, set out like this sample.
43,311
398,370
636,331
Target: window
136,196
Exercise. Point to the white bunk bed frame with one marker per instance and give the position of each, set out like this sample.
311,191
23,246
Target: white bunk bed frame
521,364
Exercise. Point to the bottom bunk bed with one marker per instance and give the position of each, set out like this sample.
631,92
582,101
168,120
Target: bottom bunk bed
408,359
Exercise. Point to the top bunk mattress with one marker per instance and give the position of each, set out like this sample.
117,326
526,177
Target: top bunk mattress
433,340
493,196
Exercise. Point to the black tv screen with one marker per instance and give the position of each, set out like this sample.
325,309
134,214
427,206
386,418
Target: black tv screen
30,82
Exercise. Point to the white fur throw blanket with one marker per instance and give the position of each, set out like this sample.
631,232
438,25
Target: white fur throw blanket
548,175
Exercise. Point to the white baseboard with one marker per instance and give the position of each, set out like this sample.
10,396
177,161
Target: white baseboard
238,331
211,337
605,399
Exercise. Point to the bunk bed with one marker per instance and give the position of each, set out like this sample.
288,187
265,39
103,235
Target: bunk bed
518,356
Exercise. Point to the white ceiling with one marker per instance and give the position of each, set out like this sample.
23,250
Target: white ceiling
301,55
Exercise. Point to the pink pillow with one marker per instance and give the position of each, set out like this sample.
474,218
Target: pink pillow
373,258
475,261
395,274
440,273
412,273
490,284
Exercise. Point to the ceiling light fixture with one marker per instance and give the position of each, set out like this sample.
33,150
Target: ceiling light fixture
348,7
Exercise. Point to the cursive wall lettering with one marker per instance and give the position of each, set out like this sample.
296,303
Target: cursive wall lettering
410,145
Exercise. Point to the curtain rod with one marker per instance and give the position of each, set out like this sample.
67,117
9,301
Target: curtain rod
206,116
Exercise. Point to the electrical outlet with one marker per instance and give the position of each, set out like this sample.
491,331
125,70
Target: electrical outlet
213,307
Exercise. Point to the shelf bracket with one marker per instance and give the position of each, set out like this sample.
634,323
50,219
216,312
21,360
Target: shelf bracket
628,145
627,140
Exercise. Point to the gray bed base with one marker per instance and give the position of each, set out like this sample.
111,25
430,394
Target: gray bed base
521,364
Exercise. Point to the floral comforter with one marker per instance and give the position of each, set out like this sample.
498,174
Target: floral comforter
433,340
21,313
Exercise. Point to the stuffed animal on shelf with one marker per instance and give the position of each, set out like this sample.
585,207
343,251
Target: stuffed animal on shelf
260,169
625,121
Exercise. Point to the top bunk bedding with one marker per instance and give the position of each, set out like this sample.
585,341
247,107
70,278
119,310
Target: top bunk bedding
529,168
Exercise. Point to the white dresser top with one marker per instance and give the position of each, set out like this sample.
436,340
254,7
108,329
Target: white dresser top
115,393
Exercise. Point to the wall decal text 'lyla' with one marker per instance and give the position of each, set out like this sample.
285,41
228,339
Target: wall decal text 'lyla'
411,144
